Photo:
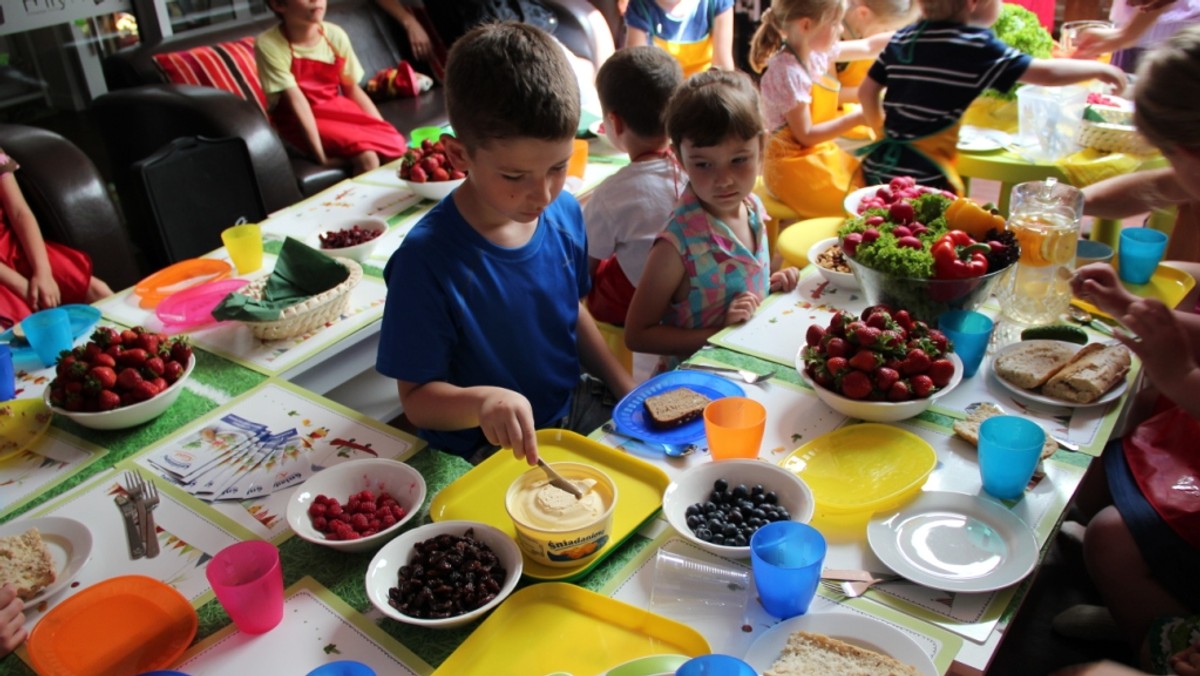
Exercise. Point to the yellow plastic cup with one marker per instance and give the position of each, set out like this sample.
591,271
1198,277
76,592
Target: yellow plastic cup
245,246
734,427
579,157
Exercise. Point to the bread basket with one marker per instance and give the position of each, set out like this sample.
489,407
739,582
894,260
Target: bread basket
309,314
1115,135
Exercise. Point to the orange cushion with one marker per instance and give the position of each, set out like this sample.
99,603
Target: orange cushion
227,65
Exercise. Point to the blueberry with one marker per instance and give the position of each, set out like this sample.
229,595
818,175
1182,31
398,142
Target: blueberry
717,539
739,540
758,513
741,492
715,524
736,517
703,534
716,497
694,522
757,489
730,530
694,510
721,485
771,498
757,499
710,507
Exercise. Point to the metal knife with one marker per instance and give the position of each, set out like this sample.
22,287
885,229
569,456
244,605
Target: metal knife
133,533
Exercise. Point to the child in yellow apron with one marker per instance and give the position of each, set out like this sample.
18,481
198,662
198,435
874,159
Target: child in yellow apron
698,33
866,18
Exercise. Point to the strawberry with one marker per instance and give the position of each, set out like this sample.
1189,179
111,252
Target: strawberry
159,383
889,340
129,338
836,347
439,174
418,175
64,365
885,377
108,400
74,387
105,336
872,310
181,352
865,360
172,370
457,175
426,145
837,325
91,351
856,385
73,402
135,357
899,391
144,390
104,359
903,319
836,365
941,371
128,379
922,386
114,351
940,341
104,376
852,330
880,321
439,147
75,372
814,335
148,342
431,164
57,396
867,335
153,367
915,362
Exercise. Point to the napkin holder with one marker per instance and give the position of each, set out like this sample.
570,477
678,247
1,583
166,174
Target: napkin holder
309,314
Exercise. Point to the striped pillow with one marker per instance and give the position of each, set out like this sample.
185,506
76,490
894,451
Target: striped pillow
227,65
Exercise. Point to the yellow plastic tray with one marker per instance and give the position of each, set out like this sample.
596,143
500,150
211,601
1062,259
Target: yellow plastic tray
22,423
479,494
558,627
1168,284
862,468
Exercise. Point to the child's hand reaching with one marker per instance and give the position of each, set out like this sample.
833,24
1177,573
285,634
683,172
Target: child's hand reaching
1160,341
43,291
741,309
12,619
1111,75
785,280
506,418
1098,284
1187,661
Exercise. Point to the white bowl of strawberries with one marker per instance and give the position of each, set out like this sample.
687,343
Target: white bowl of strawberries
427,171
120,378
880,367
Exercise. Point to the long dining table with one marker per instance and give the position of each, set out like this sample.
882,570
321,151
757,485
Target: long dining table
323,386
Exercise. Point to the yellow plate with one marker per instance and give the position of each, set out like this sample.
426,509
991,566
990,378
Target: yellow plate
479,494
558,627
1168,284
862,468
22,422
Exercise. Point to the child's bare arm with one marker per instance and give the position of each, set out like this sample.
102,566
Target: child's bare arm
870,97
863,48
505,416
635,37
1164,342
418,39
41,291
357,95
722,35
597,359
1058,72
293,97
1134,193
644,331
799,120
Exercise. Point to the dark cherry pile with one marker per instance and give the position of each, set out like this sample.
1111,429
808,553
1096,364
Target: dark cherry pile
730,516
363,515
347,237
447,576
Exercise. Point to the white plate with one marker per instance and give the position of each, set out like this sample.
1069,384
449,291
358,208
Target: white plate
1030,395
954,542
70,545
975,140
850,203
860,630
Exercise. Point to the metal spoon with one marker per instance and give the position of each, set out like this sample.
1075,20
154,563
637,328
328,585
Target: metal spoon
746,375
670,450
1085,318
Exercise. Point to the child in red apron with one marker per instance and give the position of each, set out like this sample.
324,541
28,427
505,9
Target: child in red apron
310,75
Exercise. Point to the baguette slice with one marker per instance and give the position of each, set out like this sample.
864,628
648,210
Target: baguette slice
809,654
26,563
1090,374
969,429
1034,362
674,408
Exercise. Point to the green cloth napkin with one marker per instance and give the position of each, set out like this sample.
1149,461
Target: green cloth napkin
300,272
1090,115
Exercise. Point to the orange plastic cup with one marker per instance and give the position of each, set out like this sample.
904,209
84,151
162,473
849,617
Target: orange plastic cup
579,157
734,427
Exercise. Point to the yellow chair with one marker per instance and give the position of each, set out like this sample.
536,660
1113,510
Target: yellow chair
614,337
798,238
781,214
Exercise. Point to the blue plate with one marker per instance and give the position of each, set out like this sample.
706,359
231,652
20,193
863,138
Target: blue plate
630,416
83,318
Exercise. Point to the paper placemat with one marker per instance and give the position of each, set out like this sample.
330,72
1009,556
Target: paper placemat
54,458
346,200
317,628
327,433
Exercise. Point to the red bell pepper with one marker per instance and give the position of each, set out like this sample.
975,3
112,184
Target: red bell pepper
957,256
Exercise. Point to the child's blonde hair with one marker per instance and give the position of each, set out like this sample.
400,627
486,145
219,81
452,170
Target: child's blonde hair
1165,96
891,13
769,37
712,106
943,10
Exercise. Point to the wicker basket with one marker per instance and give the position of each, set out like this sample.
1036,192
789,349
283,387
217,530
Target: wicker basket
309,314
1115,135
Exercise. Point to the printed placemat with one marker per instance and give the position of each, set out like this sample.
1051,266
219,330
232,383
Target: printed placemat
52,459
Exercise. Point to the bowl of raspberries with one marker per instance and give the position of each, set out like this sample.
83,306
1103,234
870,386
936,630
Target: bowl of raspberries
427,171
883,366
358,505
120,378
355,238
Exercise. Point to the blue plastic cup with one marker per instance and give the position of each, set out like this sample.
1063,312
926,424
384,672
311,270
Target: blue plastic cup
8,381
1009,450
49,333
786,558
970,332
343,668
1139,253
715,665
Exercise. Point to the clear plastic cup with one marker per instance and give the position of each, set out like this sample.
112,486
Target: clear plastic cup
245,246
1009,450
734,427
1139,253
49,333
683,584
247,578
970,332
786,557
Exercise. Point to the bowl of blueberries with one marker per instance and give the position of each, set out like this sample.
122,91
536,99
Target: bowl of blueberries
717,506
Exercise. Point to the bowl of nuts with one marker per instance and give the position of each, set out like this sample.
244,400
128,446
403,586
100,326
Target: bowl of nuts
354,239
831,263
356,505
717,506
444,574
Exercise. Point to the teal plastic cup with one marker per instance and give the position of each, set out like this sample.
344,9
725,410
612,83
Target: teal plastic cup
1009,450
48,333
970,332
1139,253
786,558
715,665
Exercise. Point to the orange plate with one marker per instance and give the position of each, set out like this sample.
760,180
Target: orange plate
180,276
126,625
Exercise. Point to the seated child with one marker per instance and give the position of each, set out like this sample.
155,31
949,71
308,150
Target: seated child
699,33
932,70
310,75
710,267
796,43
627,210
36,274
864,19
484,327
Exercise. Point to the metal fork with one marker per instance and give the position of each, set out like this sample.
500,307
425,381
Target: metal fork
135,485
152,500
853,589
746,375
137,548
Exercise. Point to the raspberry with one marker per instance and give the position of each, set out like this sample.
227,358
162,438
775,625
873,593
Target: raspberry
388,521
335,510
317,509
374,524
320,523
359,522
398,512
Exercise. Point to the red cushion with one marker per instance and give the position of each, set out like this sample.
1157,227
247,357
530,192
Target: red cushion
228,65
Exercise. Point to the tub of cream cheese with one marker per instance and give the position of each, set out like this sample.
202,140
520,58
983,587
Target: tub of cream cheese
553,527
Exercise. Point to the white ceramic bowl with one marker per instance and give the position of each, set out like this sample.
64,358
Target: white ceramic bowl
843,280
127,416
878,411
850,203
696,484
341,481
383,573
435,190
358,252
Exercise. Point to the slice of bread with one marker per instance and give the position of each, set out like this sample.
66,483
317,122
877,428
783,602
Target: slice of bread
1090,374
26,563
1033,362
674,408
809,654
969,429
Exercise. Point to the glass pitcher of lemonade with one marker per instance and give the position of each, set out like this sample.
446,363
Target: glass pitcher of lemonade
1045,218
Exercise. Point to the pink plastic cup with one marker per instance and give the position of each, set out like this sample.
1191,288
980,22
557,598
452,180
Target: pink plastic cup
248,581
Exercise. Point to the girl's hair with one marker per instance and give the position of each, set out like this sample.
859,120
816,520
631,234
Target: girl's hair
888,13
1165,95
712,106
769,37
